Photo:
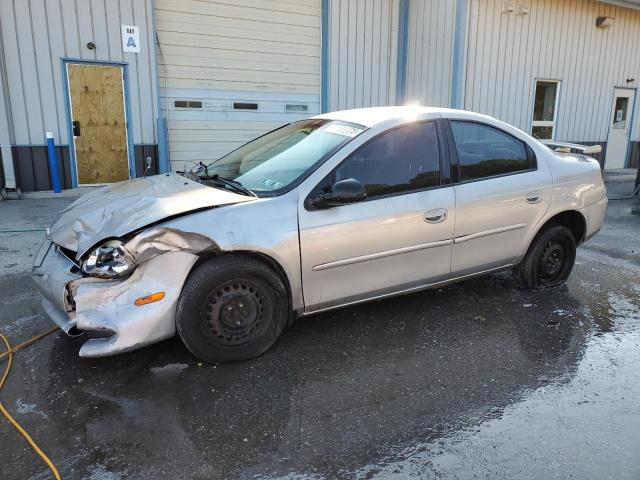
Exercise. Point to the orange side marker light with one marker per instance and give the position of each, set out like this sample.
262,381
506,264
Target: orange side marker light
154,297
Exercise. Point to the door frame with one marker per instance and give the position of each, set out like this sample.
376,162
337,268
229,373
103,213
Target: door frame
631,123
69,121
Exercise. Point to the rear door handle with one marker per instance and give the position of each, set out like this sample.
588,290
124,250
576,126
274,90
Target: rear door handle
438,215
533,197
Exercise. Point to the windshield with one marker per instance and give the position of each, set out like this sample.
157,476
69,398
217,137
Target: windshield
280,158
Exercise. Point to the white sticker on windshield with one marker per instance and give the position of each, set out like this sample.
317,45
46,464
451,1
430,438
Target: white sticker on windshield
345,130
272,184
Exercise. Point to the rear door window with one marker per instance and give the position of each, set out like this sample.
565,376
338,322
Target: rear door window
485,151
404,159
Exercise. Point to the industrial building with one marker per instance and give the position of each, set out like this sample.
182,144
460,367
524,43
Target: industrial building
134,87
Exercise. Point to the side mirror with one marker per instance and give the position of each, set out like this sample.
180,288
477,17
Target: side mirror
343,192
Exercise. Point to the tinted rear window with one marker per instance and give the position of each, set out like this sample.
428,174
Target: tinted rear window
485,151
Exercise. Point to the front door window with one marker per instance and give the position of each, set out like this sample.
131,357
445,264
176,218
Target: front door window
402,160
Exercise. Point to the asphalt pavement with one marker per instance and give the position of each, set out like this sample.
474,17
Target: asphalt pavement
476,380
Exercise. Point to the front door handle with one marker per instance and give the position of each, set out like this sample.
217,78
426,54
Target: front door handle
533,197
438,215
76,128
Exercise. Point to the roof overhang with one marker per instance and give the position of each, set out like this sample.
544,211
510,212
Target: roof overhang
635,4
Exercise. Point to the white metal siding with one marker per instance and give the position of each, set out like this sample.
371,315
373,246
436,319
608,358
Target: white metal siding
221,52
362,53
430,52
558,40
50,30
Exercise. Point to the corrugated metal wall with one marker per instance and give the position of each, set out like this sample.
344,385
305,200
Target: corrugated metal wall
430,52
221,52
362,53
557,40
38,33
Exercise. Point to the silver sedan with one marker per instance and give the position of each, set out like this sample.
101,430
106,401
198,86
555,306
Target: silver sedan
326,212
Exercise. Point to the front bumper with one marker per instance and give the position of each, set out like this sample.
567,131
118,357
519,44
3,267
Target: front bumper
52,271
77,303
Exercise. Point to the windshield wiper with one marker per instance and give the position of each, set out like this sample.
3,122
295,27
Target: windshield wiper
234,185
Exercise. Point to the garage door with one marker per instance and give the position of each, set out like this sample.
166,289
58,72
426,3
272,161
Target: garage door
233,69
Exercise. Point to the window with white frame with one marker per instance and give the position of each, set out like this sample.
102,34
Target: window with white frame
544,109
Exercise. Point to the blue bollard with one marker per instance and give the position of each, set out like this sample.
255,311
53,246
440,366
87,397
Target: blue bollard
53,163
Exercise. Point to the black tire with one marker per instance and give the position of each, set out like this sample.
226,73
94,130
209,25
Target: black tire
231,308
549,260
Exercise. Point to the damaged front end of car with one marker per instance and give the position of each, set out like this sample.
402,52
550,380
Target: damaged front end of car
123,291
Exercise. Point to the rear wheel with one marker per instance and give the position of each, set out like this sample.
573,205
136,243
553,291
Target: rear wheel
231,308
549,260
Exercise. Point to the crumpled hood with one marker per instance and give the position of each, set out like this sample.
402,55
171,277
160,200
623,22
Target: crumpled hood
123,207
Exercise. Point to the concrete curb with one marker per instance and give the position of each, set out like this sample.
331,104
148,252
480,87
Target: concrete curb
72,192
619,178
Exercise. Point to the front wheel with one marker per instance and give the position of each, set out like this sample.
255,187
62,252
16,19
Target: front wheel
549,260
231,308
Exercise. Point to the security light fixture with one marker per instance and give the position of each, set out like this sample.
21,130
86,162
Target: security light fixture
604,22
508,6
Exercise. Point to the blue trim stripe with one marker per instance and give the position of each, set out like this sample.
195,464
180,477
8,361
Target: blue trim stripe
324,69
403,39
457,74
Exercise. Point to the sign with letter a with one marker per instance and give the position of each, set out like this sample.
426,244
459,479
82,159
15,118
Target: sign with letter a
130,39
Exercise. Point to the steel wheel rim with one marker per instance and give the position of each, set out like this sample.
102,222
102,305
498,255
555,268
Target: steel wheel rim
552,261
234,312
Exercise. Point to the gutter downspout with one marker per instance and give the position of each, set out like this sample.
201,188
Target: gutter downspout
7,134
403,39
161,123
324,53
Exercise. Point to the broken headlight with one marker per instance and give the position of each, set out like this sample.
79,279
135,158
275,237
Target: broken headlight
110,260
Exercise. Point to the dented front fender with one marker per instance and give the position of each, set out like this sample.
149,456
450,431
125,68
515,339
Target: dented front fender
109,307
157,241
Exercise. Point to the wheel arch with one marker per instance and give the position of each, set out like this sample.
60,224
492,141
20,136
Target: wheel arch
261,257
573,220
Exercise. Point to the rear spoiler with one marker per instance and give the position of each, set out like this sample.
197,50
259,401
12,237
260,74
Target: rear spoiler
563,147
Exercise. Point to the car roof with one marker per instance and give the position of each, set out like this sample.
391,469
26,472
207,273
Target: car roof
369,117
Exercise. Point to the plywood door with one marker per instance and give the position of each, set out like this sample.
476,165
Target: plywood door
97,108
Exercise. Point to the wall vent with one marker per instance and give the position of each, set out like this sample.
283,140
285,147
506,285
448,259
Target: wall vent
245,106
296,108
187,104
